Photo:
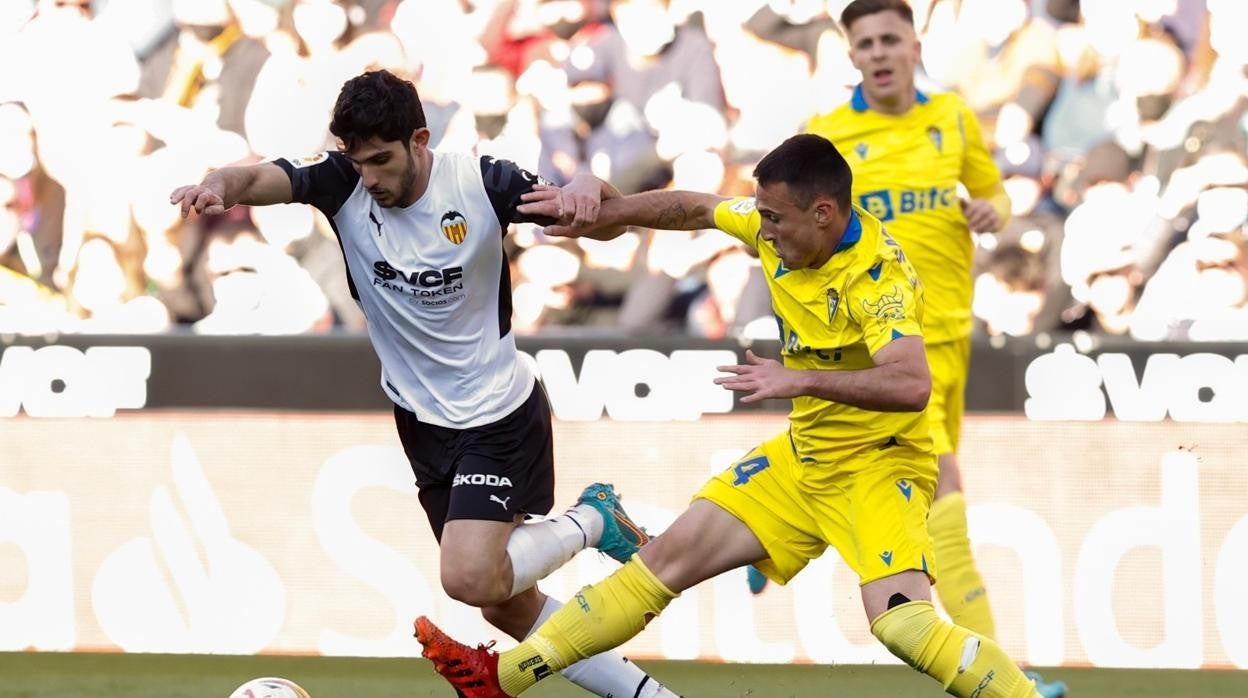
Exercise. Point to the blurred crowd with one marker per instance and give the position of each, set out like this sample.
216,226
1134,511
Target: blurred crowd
1120,126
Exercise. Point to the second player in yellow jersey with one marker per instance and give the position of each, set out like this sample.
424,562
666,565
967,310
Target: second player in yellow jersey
906,173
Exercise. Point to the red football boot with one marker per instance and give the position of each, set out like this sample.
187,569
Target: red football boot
474,672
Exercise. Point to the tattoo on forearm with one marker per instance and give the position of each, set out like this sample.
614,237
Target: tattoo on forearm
673,217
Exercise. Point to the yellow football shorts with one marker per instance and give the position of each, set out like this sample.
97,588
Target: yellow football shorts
950,362
872,508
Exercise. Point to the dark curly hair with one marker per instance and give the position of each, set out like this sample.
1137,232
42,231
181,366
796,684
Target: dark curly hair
377,103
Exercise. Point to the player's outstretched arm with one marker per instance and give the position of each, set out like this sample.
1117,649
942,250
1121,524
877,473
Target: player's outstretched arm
221,190
664,210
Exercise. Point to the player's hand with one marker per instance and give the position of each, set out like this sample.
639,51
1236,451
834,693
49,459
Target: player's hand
760,379
546,200
552,202
199,197
981,217
581,199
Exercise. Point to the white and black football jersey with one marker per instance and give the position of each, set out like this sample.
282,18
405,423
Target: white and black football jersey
433,281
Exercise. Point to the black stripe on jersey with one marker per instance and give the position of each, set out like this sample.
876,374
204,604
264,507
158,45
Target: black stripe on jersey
504,297
326,185
346,268
504,183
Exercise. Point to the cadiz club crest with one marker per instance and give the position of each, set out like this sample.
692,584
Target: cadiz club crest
834,300
454,226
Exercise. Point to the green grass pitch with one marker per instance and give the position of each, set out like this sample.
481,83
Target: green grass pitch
53,675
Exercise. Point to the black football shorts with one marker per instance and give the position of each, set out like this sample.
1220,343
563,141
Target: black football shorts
493,472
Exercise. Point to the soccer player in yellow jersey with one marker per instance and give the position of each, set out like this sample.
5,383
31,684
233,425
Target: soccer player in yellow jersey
855,469
908,151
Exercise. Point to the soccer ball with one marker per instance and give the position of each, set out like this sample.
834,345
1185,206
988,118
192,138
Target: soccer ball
270,687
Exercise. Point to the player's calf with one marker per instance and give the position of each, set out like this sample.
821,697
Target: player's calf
964,663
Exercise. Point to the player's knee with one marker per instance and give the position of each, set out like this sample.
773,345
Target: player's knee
905,629
478,592
476,585
664,561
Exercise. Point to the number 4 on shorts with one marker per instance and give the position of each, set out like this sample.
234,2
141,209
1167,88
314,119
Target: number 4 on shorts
747,469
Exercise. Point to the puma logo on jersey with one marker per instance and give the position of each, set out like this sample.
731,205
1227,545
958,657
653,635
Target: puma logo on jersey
502,502
376,222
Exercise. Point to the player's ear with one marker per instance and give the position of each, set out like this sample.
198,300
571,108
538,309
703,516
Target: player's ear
825,211
420,138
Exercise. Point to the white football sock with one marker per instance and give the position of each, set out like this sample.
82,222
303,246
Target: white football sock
590,521
539,548
606,674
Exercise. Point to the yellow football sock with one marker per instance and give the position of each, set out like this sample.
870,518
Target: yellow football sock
599,618
964,663
958,583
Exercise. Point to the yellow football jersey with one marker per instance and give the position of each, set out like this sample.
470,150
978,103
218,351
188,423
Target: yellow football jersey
906,173
835,318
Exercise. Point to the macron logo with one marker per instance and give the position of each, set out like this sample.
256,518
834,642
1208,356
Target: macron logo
905,487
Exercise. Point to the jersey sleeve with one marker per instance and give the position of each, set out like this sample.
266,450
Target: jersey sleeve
740,219
324,180
887,301
505,183
979,172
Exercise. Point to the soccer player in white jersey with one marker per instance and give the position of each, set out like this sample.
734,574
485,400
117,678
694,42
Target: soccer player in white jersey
421,233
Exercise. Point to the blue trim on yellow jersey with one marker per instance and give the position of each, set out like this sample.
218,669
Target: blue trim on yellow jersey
853,232
859,100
